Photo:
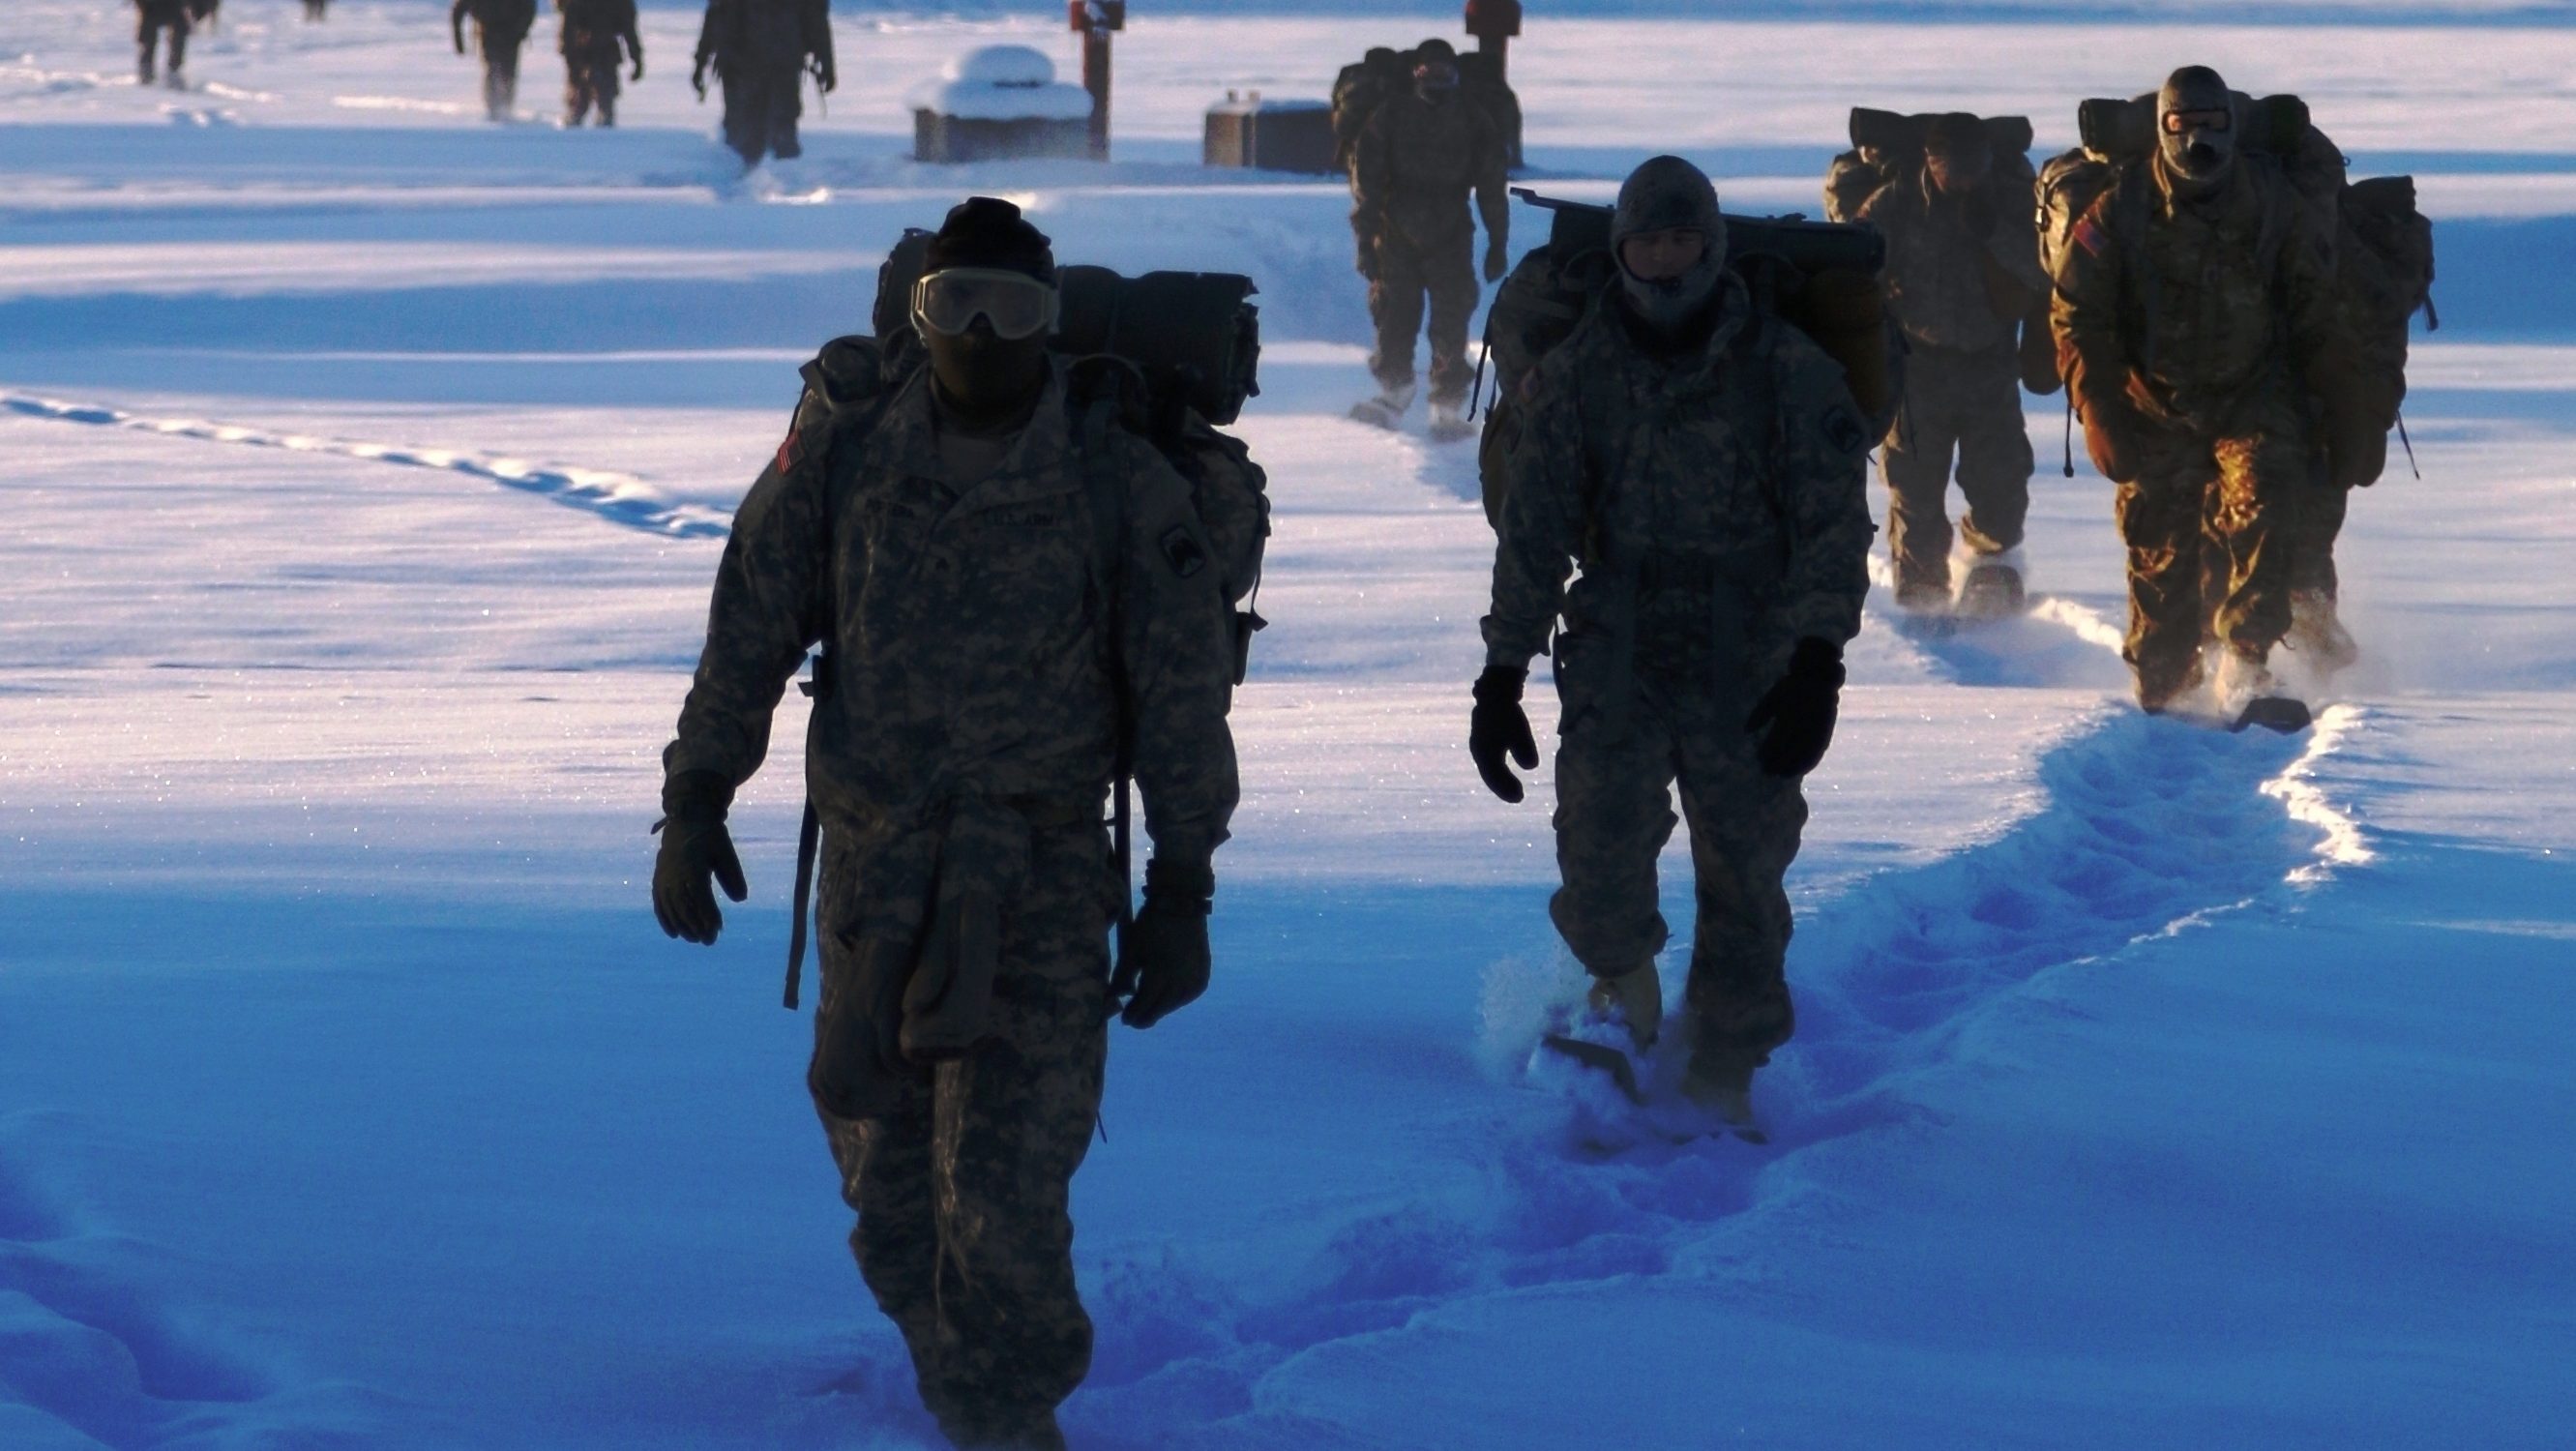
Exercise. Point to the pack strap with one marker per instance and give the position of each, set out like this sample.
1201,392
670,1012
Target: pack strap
809,837
2410,446
1108,498
2070,433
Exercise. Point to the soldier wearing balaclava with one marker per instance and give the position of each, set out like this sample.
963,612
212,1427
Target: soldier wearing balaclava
1702,462
1420,155
2192,303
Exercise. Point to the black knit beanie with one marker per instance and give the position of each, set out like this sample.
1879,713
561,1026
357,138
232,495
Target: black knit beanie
986,231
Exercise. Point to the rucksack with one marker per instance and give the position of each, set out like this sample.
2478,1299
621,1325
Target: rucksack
1192,342
1819,277
2383,243
1357,92
1886,145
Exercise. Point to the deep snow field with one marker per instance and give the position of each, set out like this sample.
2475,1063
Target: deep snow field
363,468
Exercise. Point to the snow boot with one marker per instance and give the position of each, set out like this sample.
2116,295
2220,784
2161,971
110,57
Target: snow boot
1923,596
1449,424
2317,635
1386,410
1634,999
1723,1088
1992,591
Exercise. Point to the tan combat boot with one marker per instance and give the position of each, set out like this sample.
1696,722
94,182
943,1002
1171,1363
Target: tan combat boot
1635,998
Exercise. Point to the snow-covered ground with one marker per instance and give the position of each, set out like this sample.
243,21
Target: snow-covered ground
362,469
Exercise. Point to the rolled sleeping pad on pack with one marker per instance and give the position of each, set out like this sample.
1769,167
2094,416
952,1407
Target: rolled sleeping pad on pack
1892,133
2120,130
1196,336
1811,247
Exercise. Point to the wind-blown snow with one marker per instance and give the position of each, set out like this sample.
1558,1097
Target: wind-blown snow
365,469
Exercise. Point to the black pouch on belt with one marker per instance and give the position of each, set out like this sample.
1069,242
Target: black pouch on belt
859,1070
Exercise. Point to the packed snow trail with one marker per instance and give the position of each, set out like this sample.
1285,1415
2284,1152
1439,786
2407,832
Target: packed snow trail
618,498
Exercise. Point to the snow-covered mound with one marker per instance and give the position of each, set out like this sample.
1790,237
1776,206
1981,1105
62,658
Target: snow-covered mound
1001,83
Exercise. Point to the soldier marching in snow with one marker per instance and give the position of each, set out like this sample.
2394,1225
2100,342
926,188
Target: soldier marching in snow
500,28
1017,595
1420,154
2193,312
593,33
1962,275
1704,462
761,51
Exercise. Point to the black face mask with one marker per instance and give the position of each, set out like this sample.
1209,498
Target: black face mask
986,380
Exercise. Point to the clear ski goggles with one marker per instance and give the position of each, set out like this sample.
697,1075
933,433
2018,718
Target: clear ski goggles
1438,75
2215,119
1017,305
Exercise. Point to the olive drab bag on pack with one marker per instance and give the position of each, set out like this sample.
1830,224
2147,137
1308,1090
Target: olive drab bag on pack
2383,248
1886,145
1819,277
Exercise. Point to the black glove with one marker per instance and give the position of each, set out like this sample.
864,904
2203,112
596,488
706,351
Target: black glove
637,74
826,77
1165,965
1800,710
1498,725
694,846
1497,261
698,78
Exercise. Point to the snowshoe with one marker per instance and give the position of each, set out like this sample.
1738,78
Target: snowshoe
1378,413
2278,713
1386,410
1448,425
2317,635
1991,591
1602,1058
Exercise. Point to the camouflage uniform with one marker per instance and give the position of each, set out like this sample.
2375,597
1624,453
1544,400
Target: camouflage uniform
759,49
1410,176
500,27
153,17
2199,314
1962,374
1719,507
966,747
593,33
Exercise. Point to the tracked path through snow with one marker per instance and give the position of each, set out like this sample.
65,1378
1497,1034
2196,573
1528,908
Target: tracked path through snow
2141,829
619,498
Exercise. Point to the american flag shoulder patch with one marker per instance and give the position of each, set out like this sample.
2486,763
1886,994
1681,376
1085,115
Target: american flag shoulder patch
2089,237
791,451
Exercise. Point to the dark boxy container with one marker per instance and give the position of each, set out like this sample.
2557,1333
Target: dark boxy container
1248,131
948,139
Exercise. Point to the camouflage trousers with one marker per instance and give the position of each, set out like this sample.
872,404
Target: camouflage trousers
591,83
2209,526
1968,405
2315,526
156,18
963,1188
1406,273
500,71
762,103
1615,774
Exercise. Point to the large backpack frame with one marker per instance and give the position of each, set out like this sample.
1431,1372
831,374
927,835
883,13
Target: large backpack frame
2384,265
1820,277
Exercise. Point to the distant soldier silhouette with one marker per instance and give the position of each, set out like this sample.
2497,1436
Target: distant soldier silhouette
502,27
761,50
593,33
